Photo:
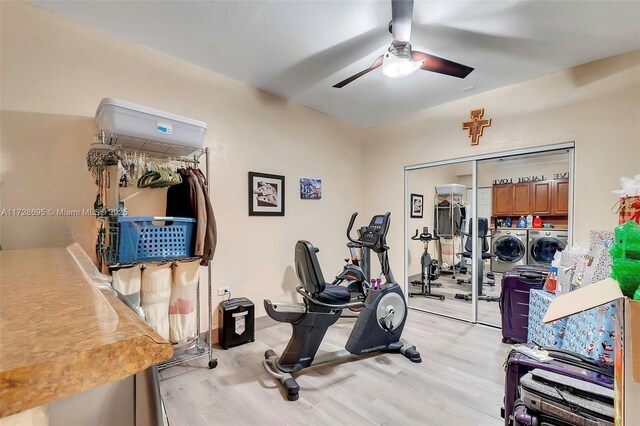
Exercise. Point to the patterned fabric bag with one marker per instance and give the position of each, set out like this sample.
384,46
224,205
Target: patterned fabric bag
628,208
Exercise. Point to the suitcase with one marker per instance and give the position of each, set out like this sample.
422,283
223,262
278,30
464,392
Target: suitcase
563,362
559,399
514,300
236,322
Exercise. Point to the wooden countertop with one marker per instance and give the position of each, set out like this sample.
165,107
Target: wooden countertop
60,334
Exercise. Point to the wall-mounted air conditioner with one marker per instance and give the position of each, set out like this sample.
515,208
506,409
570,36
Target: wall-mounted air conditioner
141,128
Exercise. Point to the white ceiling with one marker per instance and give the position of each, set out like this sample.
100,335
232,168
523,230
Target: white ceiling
299,49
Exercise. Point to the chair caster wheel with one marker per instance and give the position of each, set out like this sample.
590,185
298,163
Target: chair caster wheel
213,363
441,297
293,397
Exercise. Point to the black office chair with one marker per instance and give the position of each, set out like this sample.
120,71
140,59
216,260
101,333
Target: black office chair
483,229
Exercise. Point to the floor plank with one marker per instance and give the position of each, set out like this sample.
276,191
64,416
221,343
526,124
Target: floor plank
459,382
488,312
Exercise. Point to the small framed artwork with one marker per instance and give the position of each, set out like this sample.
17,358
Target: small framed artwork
266,194
416,205
310,189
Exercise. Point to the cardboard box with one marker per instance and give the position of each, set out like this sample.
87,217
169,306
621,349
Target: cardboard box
627,341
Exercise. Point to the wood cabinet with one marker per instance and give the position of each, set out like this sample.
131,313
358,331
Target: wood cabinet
521,199
502,195
541,197
560,198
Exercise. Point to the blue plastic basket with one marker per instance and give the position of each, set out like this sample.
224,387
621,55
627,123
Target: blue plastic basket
137,239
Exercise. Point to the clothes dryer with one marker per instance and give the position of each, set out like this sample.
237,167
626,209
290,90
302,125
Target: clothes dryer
509,249
543,244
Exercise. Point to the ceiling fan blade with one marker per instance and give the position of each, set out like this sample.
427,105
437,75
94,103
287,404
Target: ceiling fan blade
373,66
401,16
440,65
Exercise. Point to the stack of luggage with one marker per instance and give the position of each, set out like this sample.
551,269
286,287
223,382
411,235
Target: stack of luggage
568,390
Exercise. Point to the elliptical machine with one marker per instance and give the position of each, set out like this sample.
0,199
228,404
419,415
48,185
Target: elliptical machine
430,268
378,327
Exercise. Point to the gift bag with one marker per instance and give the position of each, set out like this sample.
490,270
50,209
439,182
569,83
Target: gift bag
629,209
182,304
573,263
600,268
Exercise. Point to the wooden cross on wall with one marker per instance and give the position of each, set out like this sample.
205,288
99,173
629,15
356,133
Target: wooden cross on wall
476,125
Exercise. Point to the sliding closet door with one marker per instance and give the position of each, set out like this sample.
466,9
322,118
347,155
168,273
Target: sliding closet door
526,186
439,266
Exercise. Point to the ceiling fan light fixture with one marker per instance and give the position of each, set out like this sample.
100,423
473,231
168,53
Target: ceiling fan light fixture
398,67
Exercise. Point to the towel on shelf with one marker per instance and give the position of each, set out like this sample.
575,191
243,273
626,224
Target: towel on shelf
155,292
182,303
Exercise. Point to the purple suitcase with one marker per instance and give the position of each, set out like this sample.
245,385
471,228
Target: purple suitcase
514,300
564,362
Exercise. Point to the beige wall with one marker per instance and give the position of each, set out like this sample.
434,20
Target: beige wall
54,74
597,105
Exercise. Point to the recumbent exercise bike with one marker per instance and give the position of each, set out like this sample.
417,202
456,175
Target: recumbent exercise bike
378,327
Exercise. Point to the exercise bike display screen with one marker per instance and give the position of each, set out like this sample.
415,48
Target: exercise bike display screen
377,220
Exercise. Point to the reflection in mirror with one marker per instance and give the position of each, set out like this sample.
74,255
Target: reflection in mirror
526,199
439,210
523,217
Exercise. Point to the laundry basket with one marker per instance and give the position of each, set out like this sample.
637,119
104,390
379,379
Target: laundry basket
142,238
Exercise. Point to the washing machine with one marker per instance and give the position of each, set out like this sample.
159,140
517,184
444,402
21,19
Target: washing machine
543,244
509,249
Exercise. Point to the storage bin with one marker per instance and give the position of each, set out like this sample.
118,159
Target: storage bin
140,238
142,128
451,189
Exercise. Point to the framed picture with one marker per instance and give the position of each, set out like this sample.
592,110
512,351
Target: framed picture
416,205
310,189
266,194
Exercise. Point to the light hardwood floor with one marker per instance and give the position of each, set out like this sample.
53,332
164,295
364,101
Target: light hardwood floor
459,382
488,312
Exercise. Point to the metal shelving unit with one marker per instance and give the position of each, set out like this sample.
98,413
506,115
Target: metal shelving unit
453,200
105,150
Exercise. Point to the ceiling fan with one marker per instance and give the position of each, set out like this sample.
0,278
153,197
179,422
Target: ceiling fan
400,61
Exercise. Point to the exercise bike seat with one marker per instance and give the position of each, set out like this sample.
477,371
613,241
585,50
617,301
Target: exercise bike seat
334,294
311,278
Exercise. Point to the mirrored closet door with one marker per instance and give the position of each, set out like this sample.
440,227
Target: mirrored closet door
524,204
439,262
528,216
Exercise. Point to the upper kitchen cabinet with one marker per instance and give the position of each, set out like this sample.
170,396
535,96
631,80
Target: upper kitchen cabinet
560,198
502,198
541,197
521,199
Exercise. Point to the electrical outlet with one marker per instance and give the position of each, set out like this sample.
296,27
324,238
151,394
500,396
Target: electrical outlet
223,290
